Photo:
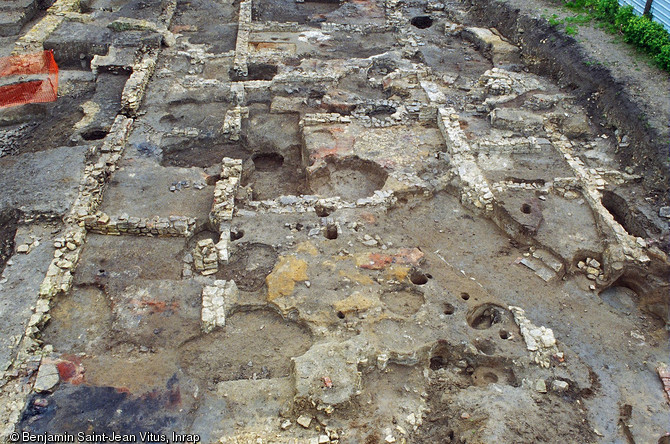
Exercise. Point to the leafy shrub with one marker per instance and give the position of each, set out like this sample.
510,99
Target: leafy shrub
648,35
663,57
606,9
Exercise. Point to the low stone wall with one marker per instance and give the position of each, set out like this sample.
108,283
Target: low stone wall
171,226
360,29
137,83
513,145
206,257
394,16
97,174
475,190
242,45
318,118
216,302
279,27
224,191
306,203
224,203
232,122
306,77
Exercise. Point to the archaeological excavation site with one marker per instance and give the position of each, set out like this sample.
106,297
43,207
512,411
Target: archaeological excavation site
329,221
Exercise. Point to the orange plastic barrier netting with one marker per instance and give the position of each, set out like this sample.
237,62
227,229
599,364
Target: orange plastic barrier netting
30,78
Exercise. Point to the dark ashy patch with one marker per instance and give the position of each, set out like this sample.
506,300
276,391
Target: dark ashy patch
8,225
201,153
105,410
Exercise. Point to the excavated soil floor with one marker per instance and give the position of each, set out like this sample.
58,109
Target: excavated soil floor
357,221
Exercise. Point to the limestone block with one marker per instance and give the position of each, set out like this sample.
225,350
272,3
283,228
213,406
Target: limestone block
214,304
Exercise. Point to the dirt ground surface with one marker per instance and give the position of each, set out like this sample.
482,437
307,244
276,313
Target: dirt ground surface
359,221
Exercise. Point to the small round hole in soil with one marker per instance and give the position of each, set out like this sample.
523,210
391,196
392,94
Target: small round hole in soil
525,209
437,362
95,134
465,296
485,346
504,334
422,21
449,309
331,232
340,315
322,211
439,356
418,278
235,235
485,316
490,377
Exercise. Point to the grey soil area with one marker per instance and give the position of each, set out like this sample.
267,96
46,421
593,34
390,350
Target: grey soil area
380,221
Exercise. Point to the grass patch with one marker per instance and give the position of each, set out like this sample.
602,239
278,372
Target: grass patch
579,19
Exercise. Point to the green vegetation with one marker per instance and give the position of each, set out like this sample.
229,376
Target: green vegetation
640,31
579,19
554,20
570,22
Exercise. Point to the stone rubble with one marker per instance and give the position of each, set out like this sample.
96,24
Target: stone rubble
214,305
232,124
47,377
540,341
137,83
559,386
592,268
206,257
